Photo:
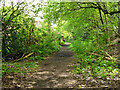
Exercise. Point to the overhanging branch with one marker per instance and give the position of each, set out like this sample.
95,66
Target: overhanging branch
95,6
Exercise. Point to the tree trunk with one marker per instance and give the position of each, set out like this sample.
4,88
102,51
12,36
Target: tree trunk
101,16
119,31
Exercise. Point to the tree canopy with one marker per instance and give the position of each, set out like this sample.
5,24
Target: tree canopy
92,28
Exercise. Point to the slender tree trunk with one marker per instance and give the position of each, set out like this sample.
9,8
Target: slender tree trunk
119,32
101,16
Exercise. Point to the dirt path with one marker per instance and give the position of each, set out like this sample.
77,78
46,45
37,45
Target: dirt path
54,71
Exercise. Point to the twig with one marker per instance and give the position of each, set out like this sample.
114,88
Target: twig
106,54
23,57
94,54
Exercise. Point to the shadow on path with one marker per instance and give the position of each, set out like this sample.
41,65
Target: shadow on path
54,71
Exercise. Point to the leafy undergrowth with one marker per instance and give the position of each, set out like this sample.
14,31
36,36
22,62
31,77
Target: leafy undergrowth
16,71
97,67
21,67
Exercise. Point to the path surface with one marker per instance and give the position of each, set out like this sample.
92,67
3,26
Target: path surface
54,71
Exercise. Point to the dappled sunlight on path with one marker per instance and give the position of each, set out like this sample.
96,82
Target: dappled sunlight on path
54,71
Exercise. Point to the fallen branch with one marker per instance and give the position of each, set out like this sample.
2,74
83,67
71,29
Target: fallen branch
94,54
106,54
23,57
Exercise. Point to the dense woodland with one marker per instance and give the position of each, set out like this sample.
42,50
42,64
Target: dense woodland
92,28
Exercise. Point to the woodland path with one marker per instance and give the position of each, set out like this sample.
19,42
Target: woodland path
54,71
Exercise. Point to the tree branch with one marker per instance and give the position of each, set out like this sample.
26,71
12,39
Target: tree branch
101,17
111,13
95,6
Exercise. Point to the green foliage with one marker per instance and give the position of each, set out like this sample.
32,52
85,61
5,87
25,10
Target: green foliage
35,58
96,67
88,29
91,30
17,31
20,35
21,67
62,42
80,46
